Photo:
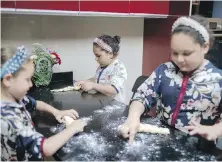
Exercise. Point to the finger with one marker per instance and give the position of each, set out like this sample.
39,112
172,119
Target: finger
59,119
83,87
72,115
123,131
193,132
210,138
190,127
84,123
125,134
63,120
75,113
77,84
131,136
194,123
82,83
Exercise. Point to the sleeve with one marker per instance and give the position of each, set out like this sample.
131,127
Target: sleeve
118,77
218,142
30,103
220,109
28,140
7,141
219,120
148,91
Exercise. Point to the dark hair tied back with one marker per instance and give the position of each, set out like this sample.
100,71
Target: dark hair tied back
117,39
113,42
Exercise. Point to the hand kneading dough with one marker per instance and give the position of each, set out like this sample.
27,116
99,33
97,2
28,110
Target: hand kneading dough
68,120
147,128
153,129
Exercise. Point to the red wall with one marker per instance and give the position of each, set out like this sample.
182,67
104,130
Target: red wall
156,45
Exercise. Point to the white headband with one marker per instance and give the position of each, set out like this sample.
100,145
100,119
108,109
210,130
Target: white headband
193,24
103,45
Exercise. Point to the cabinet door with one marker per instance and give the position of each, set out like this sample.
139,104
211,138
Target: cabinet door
149,7
179,8
7,4
104,6
48,5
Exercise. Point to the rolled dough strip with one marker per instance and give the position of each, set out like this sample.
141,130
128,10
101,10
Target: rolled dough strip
153,129
147,128
68,120
69,88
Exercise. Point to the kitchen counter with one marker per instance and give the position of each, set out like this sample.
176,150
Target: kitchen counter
100,140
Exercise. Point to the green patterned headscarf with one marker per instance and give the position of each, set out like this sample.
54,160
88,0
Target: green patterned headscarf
43,65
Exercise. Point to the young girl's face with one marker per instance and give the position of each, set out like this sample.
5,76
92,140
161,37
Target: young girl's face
186,53
21,82
102,57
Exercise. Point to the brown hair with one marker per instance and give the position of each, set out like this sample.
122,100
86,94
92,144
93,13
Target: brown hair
6,54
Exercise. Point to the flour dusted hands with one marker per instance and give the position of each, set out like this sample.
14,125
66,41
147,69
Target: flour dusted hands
67,120
77,125
61,113
87,86
79,83
129,129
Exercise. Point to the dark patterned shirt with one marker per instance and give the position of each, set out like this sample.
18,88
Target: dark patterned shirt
19,139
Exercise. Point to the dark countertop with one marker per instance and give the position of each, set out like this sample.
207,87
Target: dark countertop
100,141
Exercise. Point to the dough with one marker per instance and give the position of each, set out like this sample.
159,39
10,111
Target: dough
69,88
153,129
92,91
68,120
147,128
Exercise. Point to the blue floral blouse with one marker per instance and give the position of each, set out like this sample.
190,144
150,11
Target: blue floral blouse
201,99
19,140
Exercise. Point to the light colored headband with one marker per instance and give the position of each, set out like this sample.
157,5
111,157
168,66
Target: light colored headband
193,24
103,45
15,62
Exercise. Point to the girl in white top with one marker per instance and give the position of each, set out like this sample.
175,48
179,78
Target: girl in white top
111,75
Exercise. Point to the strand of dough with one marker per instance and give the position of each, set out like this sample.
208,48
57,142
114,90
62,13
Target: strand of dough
69,88
147,128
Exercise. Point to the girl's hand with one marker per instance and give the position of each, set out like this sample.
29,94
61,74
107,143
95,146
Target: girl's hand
61,113
211,133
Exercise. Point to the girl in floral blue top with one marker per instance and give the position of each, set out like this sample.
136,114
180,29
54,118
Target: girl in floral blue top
19,140
186,89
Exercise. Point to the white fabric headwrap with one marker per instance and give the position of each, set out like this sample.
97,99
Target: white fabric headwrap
103,45
193,24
